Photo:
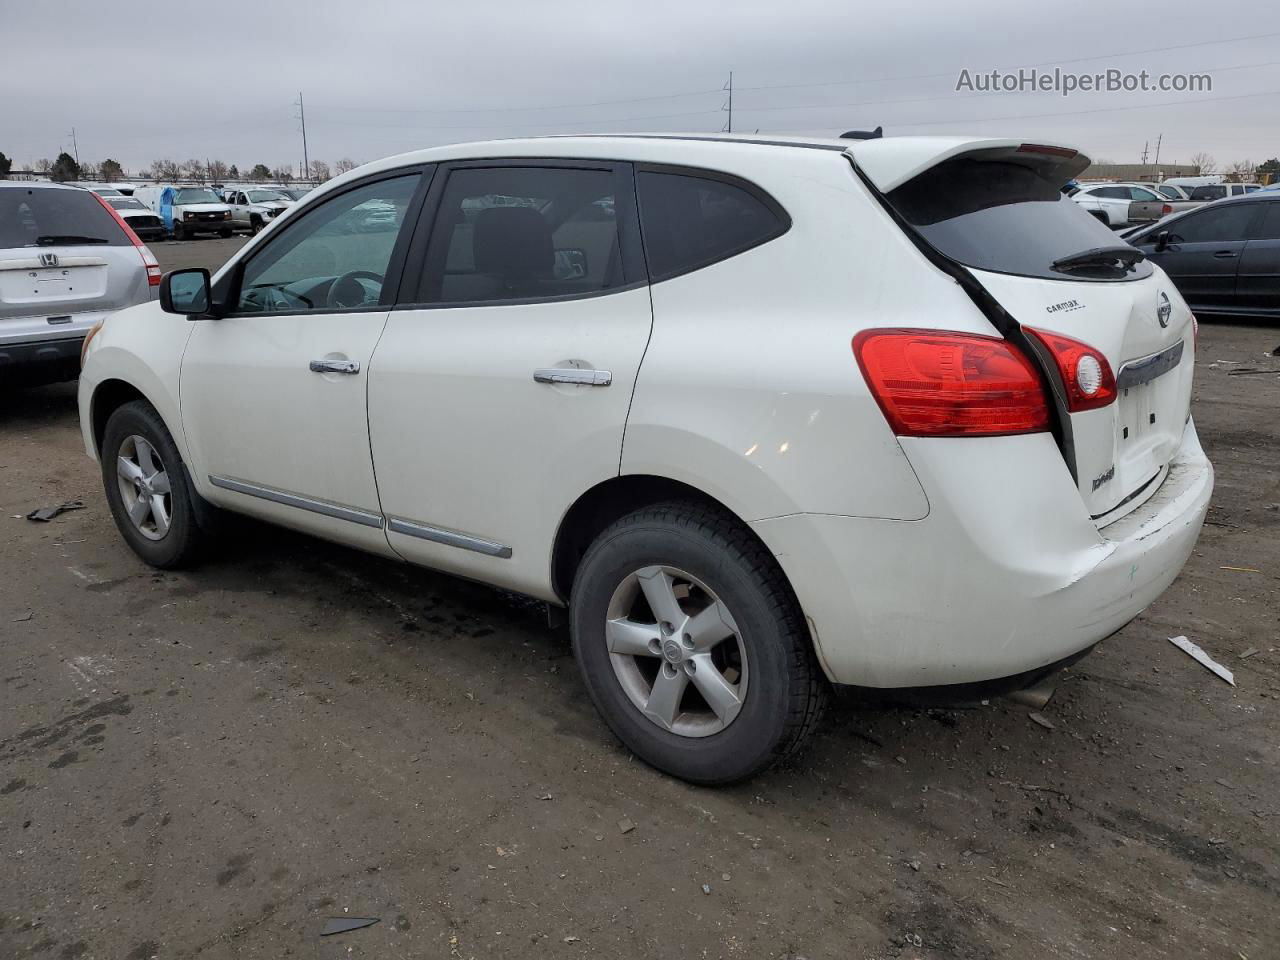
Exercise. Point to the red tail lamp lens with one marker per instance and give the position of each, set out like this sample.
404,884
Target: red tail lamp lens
932,383
1086,375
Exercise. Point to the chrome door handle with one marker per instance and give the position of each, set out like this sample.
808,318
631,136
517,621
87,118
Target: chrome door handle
335,366
591,378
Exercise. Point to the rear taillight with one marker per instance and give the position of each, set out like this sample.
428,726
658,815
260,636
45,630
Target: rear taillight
931,383
1166,210
1086,374
148,258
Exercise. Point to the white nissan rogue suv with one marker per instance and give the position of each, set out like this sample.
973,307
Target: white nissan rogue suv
764,415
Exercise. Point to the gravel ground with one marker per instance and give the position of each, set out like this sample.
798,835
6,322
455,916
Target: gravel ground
211,763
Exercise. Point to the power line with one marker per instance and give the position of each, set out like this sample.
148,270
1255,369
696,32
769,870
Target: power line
952,73
1074,113
529,108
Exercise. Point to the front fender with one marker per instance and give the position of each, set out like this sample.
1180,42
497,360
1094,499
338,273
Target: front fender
141,347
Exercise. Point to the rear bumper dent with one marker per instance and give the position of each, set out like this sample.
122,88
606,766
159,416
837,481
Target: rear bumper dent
1007,574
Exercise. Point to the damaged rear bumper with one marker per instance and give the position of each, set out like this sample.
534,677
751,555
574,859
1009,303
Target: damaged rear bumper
1006,574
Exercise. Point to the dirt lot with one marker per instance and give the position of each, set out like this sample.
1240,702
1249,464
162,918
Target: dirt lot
209,764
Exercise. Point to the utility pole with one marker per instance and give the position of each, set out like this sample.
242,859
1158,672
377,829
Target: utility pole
302,115
75,147
1158,139
1145,146
729,86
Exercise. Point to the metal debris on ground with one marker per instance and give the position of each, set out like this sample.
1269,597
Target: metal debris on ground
1244,656
28,615
45,514
1241,569
343,924
1193,651
1041,719
625,825
1036,697
706,888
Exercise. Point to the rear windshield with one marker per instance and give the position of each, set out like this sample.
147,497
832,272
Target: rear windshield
1005,217
48,217
1212,191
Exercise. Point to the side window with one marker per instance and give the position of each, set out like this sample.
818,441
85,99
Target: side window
242,199
1137,193
1270,228
523,233
333,258
1215,225
691,221
1112,193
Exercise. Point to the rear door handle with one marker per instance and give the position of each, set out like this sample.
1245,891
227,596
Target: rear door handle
335,366
591,378
1224,254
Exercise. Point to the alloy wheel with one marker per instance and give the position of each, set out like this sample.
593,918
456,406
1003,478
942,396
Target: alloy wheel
145,490
676,651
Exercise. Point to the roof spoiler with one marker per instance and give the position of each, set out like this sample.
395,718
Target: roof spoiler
875,134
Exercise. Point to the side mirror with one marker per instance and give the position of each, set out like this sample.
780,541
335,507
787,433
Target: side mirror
1162,240
185,292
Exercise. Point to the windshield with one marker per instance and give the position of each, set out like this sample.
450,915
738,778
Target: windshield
126,203
261,196
999,215
1210,191
53,217
199,195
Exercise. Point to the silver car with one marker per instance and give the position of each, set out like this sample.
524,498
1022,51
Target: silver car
66,261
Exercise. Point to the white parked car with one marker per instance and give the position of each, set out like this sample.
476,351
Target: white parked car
1122,204
187,211
252,208
890,413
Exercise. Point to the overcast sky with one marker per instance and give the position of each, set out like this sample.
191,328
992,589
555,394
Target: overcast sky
176,80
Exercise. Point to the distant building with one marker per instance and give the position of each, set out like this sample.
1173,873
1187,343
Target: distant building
25,175
1142,172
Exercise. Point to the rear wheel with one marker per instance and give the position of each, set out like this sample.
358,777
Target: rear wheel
692,646
179,231
150,500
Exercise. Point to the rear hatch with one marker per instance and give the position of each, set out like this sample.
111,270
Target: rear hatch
992,211
61,253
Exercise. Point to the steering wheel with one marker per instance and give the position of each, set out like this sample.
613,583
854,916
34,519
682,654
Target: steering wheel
347,291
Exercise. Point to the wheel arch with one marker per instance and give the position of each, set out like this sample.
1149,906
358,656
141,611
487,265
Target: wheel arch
608,501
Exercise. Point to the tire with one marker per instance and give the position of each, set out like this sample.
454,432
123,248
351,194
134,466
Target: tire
169,545
256,226
703,556
225,232
179,232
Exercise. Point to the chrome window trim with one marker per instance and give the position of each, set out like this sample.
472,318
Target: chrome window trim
336,510
451,538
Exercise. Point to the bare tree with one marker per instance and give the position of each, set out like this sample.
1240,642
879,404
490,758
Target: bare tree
42,165
165,170
1203,162
283,174
195,170
1241,170
319,170
89,170
218,170
343,165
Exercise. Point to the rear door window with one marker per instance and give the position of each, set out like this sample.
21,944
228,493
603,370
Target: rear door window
55,217
1214,225
691,221
524,233
1005,217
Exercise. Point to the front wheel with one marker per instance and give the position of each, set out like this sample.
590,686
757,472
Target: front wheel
151,503
692,645
225,232
179,231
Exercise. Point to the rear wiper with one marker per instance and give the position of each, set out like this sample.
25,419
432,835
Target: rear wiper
61,239
1101,257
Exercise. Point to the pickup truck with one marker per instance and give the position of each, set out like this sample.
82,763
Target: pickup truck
252,208
1125,204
